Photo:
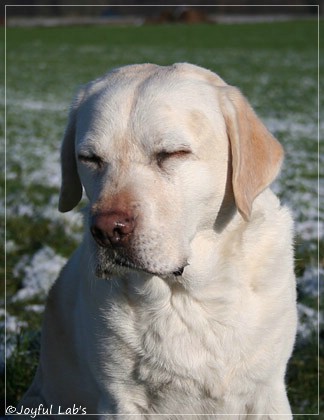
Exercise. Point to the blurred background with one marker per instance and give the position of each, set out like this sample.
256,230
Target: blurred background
36,12
270,52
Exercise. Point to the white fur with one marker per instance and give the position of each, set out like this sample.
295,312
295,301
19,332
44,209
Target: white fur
215,340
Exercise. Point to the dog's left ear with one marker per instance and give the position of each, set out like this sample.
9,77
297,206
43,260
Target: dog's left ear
256,154
71,188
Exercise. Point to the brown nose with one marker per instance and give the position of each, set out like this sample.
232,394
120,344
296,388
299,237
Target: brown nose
112,228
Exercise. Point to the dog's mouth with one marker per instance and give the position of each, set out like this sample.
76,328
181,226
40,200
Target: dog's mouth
110,263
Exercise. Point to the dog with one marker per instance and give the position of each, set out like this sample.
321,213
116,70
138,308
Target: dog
181,299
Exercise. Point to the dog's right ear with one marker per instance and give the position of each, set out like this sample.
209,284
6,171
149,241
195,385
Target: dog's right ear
71,188
256,154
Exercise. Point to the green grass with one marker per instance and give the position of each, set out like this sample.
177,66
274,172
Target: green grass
287,35
274,64
90,51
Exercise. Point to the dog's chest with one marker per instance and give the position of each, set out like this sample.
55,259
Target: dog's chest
171,343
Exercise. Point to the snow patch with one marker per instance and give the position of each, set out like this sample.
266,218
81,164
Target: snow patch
308,321
294,128
39,274
13,326
33,105
312,281
310,230
39,309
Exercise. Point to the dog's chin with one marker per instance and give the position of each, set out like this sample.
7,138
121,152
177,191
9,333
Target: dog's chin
114,264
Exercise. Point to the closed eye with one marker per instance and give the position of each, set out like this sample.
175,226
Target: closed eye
164,155
92,159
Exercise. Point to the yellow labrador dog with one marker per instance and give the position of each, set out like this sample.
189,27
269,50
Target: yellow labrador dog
181,298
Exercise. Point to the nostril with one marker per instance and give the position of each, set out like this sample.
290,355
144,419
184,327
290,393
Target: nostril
121,232
117,235
125,227
112,228
100,236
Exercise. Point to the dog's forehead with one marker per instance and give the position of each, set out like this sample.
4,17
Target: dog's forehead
146,104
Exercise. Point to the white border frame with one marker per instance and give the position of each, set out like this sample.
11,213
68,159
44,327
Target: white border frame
318,179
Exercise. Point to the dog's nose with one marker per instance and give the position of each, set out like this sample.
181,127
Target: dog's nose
112,228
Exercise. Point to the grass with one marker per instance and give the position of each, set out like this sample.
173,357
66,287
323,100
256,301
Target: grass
274,64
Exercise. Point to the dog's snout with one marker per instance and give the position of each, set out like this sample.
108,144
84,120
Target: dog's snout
112,228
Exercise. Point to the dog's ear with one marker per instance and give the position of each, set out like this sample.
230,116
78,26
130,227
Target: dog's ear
256,154
71,188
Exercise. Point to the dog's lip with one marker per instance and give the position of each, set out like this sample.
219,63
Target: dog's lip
125,262
179,271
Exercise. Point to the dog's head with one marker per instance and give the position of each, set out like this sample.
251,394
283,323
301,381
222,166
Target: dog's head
159,150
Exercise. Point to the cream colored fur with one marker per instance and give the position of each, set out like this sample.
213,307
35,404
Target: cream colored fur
187,155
